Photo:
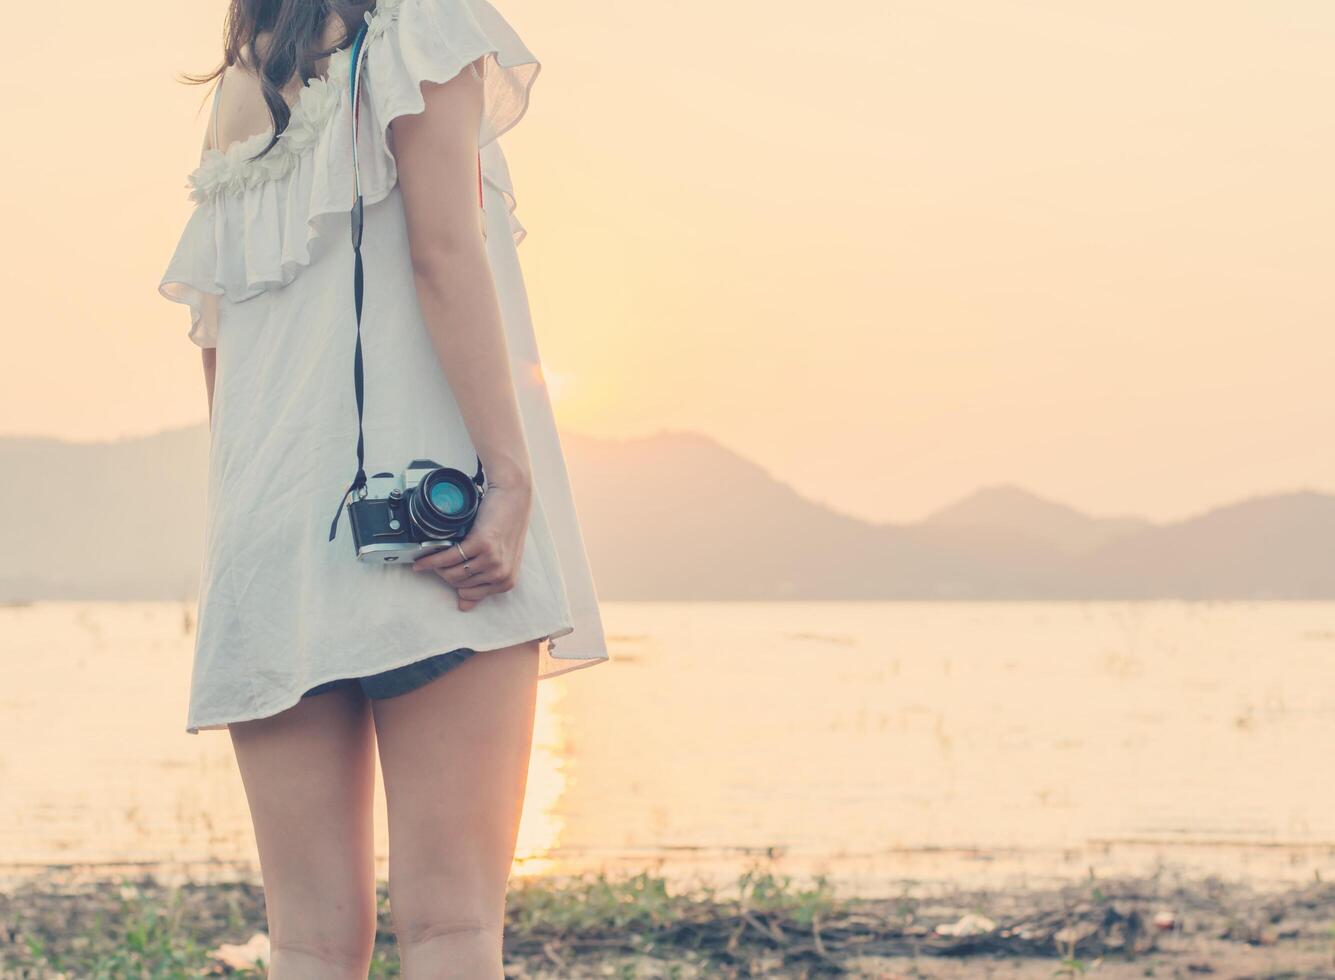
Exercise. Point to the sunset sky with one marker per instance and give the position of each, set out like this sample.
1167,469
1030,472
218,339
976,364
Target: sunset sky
889,249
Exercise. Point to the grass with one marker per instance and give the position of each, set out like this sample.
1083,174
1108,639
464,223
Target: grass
640,926
144,931
137,937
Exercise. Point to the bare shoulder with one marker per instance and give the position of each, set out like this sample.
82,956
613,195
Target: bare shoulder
241,108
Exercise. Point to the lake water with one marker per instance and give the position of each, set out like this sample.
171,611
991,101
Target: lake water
974,742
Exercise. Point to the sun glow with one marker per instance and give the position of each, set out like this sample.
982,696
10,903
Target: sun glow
541,828
557,383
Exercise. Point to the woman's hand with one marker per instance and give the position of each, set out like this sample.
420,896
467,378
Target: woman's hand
494,546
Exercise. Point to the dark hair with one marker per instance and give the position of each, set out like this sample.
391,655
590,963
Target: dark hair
296,42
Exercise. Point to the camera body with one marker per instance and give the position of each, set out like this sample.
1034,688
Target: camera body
428,508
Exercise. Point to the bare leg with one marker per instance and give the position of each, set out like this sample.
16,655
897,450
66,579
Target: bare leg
309,774
454,754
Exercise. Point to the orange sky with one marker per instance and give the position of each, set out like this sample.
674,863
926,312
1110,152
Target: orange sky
890,249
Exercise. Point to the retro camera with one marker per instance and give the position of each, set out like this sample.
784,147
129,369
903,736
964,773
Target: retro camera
426,509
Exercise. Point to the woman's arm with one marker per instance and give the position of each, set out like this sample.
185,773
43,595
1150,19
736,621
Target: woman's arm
209,355
436,153
210,358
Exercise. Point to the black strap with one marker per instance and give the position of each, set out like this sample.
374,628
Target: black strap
358,379
358,288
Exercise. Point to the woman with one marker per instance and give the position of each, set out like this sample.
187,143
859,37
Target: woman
309,657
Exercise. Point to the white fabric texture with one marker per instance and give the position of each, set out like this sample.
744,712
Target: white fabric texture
265,266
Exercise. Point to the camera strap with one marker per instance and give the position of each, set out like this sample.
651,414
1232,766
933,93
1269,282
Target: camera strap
358,283
358,484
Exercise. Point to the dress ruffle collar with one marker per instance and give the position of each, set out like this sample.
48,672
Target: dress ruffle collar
259,220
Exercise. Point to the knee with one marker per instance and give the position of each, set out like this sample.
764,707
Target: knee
447,922
441,894
338,946
447,926
344,956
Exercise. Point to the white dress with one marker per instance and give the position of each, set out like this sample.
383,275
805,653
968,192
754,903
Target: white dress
265,266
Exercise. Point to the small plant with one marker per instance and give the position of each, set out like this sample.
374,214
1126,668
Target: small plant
635,902
762,891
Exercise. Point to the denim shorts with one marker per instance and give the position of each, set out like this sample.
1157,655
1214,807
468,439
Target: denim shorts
400,680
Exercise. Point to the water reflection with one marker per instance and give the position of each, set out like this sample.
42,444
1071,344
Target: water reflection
871,740
542,824
96,768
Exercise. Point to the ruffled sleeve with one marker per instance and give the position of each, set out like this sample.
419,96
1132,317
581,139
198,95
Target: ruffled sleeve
259,221
414,41
186,282
411,42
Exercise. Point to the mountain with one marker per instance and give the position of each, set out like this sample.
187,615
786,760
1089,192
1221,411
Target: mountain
1022,514
678,516
1275,547
113,520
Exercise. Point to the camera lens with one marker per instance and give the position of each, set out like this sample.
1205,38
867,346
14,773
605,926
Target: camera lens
443,503
447,498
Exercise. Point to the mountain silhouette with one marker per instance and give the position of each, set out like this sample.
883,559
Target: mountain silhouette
1020,513
1280,547
678,516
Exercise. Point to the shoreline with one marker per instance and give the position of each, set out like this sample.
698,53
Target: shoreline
764,924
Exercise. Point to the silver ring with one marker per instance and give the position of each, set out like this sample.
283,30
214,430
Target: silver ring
461,551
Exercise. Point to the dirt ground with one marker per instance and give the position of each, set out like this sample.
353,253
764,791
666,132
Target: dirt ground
641,928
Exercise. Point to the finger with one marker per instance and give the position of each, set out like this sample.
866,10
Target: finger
473,584
495,584
475,592
469,572
438,560
448,557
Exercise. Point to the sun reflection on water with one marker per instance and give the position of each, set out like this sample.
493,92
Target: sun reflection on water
542,825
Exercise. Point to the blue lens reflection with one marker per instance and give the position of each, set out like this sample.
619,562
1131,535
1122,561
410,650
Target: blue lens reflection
447,498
